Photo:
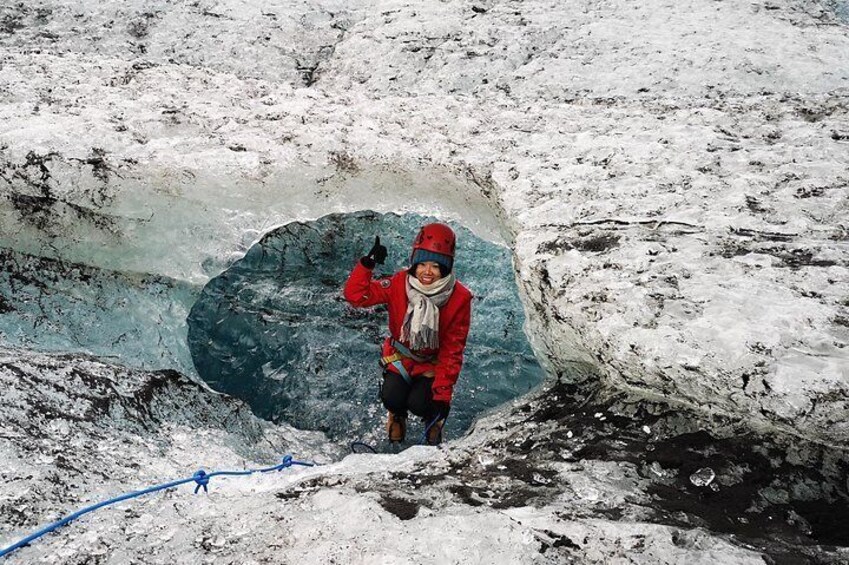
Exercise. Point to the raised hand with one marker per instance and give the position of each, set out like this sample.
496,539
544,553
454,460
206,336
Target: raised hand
377,255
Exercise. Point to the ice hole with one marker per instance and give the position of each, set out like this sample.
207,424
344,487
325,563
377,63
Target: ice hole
275,331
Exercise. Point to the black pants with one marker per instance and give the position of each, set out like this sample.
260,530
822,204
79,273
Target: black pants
399,397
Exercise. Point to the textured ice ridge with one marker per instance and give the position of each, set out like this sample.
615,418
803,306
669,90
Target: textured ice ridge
522,488
75,430
671,178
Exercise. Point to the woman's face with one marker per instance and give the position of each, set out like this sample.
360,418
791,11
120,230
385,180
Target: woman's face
428,272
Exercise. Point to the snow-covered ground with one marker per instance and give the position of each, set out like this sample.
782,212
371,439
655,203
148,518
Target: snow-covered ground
531,487
671,176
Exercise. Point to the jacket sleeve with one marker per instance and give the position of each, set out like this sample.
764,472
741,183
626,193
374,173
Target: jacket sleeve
450,358
361,291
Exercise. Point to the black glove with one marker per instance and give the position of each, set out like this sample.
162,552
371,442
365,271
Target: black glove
377,255
440,409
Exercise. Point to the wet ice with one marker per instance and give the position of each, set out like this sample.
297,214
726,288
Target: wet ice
275,331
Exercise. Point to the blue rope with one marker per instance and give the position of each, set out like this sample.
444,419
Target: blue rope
423,439
201,478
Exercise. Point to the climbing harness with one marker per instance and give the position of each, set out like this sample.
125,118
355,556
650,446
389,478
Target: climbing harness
200,478
396,359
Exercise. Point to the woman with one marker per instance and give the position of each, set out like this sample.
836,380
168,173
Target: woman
429,315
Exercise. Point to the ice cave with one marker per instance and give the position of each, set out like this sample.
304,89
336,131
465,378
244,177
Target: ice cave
274,331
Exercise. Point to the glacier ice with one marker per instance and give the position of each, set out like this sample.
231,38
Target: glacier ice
139,320
842,9
709,140
132,318
274,330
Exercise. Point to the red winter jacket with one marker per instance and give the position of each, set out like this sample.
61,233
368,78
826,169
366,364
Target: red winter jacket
454,318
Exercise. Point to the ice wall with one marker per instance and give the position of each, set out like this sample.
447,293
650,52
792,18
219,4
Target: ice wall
137,320
189,219
274,330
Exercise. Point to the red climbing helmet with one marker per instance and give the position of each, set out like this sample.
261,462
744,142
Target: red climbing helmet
435,242
436,237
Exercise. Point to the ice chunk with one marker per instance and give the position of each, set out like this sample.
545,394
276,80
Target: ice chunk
703,477
485,460
656,468
539,479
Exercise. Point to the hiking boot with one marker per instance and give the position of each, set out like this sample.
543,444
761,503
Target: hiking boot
434,434
396,428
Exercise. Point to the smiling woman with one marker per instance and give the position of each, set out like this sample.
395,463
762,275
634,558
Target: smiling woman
275,331
429,318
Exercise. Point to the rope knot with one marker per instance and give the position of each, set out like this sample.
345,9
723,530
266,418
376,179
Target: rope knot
202,479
